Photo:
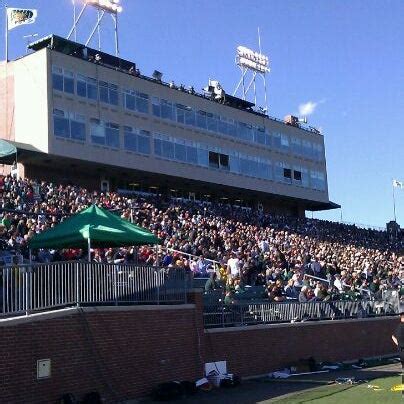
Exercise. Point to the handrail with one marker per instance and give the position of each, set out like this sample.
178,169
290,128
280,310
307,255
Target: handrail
36,287
343,284
220,314
214,262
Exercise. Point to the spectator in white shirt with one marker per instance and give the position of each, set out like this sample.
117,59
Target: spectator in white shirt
337,282
233,266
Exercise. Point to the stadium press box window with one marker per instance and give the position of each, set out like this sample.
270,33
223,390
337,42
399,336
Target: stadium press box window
69,125
136,101
136,140
104,133
62,80
133,100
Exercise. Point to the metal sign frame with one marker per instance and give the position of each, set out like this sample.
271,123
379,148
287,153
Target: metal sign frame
103,7
252,65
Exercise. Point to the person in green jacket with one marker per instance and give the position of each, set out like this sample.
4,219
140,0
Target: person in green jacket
211,283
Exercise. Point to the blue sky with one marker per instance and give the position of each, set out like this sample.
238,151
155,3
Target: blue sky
344,56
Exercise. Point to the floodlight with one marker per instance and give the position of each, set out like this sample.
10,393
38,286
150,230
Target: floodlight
110,6
249,59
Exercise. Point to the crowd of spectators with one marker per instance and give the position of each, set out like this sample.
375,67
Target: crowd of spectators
250,248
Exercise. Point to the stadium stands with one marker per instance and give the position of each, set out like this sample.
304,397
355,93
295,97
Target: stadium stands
256,255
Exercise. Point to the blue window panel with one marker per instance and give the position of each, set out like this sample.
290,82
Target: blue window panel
203,157
296,145
180,152
192,155
242,131
92,91
130,142
144,144
250,134
263,171
104,97
222,127
130,102
98,140
307,149
244,167
81,88
180,115
78,130
113,97
167,110
57,81
157,147
61,126
276,138
211,121
254,169
201,119
112,137
68,84
97,132
285,143
190,117
318,149
231,129
234,163
167,149
156,109
305,178
259,136
278,173
142,105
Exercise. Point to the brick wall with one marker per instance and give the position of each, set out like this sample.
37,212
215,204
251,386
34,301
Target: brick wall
262,349
123,352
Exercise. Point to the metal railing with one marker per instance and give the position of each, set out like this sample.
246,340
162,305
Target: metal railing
212,263
345,285
29,288
254,313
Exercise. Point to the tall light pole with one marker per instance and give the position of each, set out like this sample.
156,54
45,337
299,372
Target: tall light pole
103,7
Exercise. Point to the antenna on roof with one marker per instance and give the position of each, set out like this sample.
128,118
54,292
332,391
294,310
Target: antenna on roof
259,39
28,39
252,64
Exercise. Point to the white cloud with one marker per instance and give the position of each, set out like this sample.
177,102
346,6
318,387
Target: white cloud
307,108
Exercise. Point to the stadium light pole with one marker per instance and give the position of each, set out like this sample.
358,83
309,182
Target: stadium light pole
257,64
74,19
111,7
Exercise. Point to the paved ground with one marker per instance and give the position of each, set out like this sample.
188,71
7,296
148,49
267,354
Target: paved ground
264,391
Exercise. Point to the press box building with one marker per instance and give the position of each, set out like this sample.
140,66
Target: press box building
77,115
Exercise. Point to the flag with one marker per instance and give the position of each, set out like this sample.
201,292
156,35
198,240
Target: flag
20,16
398,184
